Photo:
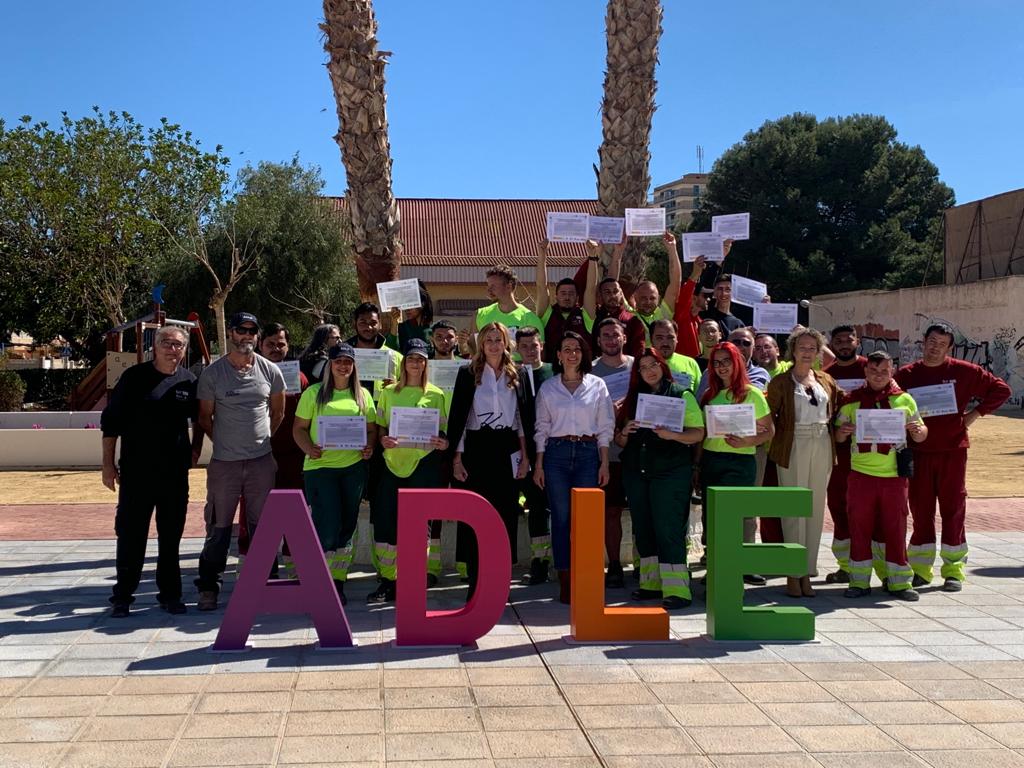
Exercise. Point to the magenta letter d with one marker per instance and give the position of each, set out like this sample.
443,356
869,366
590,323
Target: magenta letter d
414,624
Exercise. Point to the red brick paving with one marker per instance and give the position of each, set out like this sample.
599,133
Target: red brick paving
59,522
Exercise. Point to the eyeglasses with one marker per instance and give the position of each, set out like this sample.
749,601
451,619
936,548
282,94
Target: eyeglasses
177,346
722,363
649,368
246,330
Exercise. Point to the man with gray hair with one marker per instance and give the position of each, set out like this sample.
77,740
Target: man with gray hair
149,410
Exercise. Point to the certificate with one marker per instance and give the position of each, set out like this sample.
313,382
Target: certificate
848,385
606,229
567,227
882,425
706,244
749,292
723,420
290,371
660,411
414,425
618,384
341,432
517,459
645,222
400,294
443,373
732,226
935,400
374,364
684,380
774,318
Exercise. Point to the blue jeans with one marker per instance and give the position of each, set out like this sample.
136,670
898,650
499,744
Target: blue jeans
567,465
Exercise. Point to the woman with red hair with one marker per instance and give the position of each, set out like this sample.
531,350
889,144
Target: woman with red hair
656,475
730,460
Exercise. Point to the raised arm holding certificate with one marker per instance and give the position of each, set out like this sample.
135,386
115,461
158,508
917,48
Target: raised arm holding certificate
606,229
414,426
747,291
710,245
341,432
567,227
374,364
399,294
881,425
774,318
660,411
290,371
732,226
645,222
935,400
725,420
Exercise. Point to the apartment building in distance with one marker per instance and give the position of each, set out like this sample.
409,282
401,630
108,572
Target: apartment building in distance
680,198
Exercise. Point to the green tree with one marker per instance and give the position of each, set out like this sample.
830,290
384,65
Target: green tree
836,205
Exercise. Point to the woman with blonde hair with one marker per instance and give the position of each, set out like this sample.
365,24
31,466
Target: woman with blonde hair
804,403
487,435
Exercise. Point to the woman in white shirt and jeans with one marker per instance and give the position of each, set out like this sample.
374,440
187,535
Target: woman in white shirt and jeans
575,424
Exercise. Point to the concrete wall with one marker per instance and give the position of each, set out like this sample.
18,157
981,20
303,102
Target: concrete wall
48,419
59,448
987,317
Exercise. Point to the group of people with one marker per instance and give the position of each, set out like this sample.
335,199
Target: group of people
531,415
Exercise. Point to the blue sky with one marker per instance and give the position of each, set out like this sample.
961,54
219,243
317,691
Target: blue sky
502,99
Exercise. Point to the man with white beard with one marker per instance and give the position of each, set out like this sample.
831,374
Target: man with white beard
241,404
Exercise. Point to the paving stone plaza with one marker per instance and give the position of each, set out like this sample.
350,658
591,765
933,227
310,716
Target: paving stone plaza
935,683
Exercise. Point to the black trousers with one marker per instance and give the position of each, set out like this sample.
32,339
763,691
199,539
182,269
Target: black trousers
488,462
140,492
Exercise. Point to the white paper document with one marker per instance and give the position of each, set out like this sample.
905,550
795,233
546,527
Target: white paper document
374,364
403,294
660,411
341,432
935,400
414,425
749,292
684,380
606,229
517,459
881,425
443,372
618,384
774,318
723,420
848,385
706,244
645,222
290,371
732,226
567,227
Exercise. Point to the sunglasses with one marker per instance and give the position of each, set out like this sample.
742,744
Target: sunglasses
246,330
809,391
744,342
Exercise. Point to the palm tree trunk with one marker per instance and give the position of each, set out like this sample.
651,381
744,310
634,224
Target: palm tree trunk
633,28
356,68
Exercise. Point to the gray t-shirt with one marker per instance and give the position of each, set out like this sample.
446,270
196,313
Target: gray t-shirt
601,370
241,411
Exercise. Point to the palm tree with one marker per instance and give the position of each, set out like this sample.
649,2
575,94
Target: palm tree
633,28
356,68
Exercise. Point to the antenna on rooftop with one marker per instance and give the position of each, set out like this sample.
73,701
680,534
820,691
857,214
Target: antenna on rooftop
700,159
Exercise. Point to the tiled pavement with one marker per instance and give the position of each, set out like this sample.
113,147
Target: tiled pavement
936,683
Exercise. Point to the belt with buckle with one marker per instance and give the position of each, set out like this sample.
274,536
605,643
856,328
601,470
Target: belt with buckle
577,438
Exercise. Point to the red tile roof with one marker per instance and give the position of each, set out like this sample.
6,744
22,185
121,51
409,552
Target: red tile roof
445,232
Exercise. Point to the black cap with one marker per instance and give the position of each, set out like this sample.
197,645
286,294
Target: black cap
342,350
239,318
417,347
443,324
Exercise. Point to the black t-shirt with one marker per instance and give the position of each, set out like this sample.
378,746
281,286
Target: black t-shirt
727,322
150,412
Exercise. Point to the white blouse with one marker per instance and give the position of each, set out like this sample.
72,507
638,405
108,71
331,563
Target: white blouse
587,411
806,412
494,405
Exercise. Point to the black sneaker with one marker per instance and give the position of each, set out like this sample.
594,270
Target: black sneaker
838,577
538,572
919,581
339,587
952,585
614,578
910,595
755,579
384,593
674,602
432,580
119,611
645,594
857,592
175,608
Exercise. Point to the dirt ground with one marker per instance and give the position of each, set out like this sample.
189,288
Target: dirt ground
995,469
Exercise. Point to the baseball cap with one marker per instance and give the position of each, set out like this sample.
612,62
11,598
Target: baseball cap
342,350
417,347
239,318
443,324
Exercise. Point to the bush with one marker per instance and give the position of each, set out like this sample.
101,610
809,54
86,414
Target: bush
12,391
51,387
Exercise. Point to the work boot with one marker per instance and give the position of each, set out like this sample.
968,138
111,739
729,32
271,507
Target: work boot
614,578
952,585
120,610
674,602
857,592
339,587
919,581
175,608
564,588
645,594
432,580
755,579
838,577
910,595
538,572
384,593
207,600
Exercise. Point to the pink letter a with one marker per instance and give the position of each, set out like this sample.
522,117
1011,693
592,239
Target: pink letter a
414,624
285,515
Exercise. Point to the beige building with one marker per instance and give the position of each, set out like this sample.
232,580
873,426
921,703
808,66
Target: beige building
680,198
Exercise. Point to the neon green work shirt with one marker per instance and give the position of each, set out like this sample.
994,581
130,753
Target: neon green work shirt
755,397
402,461
661,313
685,371
342,404
520,317
780,367
871,462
